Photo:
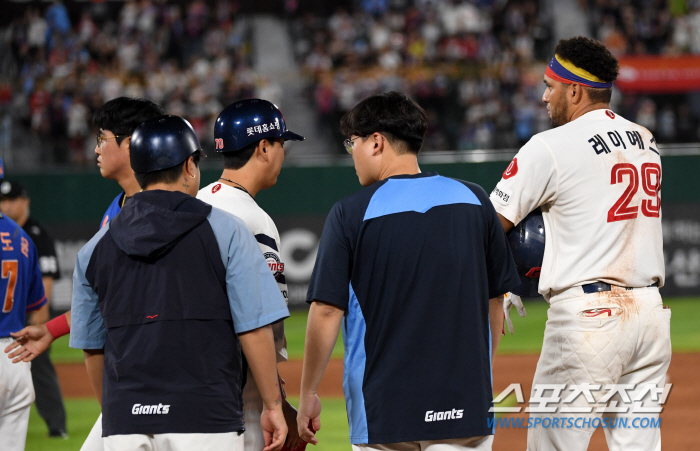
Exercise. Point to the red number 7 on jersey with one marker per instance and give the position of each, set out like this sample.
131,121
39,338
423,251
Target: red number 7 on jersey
650,207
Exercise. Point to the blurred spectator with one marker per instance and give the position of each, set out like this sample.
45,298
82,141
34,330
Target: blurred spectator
194,57
476,66
462,61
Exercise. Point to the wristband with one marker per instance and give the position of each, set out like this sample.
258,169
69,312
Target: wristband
58,326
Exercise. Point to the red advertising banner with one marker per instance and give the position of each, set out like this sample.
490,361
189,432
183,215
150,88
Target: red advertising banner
659,74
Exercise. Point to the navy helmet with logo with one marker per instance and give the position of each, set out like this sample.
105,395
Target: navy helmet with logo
162,143
248,121
526,242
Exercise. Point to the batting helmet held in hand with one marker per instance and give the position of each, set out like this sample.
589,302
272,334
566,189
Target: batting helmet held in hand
162,143
527,245
248,121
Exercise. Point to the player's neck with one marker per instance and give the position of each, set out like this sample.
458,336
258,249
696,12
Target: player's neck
244,178
400,165
22,220
588,108
129,184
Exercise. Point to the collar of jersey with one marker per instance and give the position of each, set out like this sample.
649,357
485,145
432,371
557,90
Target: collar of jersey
412,176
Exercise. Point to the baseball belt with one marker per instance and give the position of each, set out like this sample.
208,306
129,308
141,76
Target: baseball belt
598,287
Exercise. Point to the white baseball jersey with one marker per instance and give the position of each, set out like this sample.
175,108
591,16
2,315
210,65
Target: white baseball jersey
242,204
598,181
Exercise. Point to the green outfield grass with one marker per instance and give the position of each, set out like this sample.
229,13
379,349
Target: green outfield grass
333,436
83,413
685,335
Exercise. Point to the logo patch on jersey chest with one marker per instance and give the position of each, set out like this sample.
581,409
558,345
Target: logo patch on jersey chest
511,170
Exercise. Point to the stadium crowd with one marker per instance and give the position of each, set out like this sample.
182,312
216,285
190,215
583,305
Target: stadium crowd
193,58
475,66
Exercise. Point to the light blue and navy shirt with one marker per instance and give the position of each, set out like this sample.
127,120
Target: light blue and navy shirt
164,289
414,260
21,287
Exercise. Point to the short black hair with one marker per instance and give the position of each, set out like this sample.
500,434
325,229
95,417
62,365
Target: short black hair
393,114
169,175
122,115
592,56
239,158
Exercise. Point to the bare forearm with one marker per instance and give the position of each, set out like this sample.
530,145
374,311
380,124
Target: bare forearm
94,363
48,287
40,316
507,225
496,323
322,327
259,348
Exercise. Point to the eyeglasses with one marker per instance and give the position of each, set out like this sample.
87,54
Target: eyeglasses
349,144
101,139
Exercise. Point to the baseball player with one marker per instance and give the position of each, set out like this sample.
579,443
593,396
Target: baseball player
14,203
250,134
414,266
116,120
597,177
188,275
22,291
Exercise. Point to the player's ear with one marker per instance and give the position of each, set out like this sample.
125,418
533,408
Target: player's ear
379,141
189,169
576,93
262,150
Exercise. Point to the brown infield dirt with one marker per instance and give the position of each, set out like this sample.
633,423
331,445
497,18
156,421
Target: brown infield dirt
678,426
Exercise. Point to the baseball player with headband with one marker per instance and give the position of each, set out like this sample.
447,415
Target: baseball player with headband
165,298
597,178
22,291
250,135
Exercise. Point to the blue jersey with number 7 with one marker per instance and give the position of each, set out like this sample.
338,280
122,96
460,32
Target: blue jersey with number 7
21,287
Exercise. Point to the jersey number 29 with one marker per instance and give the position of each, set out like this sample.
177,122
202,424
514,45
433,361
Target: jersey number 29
9,271
651,183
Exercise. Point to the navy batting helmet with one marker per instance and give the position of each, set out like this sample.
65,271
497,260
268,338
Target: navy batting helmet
162,143
527,244
248,121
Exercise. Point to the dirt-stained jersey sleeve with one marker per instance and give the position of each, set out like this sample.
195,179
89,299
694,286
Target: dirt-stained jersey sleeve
531,180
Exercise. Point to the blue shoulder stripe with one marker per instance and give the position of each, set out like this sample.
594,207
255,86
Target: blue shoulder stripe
419,195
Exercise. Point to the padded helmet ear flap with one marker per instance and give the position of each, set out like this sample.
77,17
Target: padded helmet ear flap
526,242
162,143
248,121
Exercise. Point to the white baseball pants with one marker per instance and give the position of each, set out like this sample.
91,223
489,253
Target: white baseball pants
16,397
633,346
456,444
229,441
